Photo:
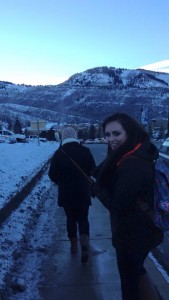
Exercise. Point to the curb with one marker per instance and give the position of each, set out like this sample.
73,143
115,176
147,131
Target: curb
15,201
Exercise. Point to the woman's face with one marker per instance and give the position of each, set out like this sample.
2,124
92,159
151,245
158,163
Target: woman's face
115,134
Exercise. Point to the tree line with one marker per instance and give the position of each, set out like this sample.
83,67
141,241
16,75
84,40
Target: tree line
88,132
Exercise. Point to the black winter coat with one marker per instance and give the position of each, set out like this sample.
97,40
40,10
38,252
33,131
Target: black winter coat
73,187
131,180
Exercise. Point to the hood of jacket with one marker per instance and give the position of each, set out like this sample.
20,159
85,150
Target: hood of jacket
147,151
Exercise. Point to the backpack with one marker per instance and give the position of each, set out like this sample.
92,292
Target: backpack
161,195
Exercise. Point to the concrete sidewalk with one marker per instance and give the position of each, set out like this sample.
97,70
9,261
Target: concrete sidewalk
66,278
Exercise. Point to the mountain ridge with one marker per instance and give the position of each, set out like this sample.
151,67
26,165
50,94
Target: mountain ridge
88,96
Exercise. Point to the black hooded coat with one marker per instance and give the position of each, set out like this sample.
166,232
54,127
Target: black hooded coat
73,187
128,179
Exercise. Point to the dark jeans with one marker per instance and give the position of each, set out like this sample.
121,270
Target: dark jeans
77,219
130,269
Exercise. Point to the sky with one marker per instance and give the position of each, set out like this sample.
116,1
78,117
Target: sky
47,41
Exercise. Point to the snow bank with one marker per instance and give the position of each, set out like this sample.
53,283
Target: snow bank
19,163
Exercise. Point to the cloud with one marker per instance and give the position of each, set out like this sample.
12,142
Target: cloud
160,66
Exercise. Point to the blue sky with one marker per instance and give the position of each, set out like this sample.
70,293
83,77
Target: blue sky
47,41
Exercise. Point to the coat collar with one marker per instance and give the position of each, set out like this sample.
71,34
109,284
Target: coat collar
70,140
130,152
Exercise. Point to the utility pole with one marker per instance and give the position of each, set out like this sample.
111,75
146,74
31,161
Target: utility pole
38,132
144,118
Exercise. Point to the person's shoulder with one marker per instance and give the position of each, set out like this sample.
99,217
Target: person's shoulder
57,152
130,161
84,148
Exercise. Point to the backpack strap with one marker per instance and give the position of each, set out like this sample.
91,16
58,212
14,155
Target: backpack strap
89,180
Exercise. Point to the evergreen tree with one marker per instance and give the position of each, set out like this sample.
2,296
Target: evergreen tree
27,124
161,132
9,124
51,135
26,132
17,126
100,131
168,125
81,134
150,130
92,132
86,134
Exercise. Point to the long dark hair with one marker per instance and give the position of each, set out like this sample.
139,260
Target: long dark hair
135,134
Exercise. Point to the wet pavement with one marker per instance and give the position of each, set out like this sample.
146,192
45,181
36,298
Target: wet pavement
64,277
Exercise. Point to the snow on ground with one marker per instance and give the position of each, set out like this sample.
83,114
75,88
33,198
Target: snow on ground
14,231
19,162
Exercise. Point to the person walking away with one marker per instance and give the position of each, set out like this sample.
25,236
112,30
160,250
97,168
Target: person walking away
74,193
127,174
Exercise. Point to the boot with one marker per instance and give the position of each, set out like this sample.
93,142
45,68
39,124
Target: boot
73,247
84,241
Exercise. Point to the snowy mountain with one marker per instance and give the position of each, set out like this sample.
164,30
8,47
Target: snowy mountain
88,96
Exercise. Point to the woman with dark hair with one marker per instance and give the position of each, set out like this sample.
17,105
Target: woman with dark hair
128,176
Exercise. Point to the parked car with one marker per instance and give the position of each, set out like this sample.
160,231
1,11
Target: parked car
10,137
100,141
35,138
164,149
89,141
2,140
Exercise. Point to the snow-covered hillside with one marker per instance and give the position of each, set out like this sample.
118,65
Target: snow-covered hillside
110,76
88,96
